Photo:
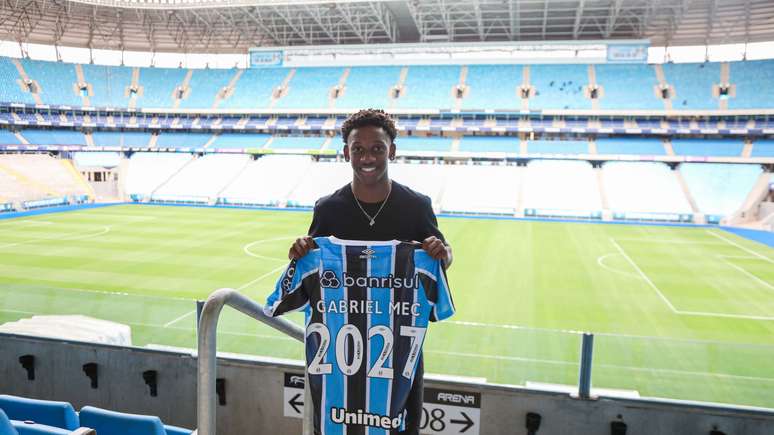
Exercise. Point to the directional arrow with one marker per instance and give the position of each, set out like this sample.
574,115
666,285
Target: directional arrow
295,403
467,422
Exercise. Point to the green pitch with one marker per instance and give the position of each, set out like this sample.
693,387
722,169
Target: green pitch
682,313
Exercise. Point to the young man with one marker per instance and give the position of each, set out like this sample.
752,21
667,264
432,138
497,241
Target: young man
373,207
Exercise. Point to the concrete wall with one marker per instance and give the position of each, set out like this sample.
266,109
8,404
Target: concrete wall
254,394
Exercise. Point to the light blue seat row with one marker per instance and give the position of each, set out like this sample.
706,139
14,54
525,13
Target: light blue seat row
693,84
369,87
310,88
559,87
414,143
557,147
636,146
159,85
490,144
182,140
8,138
763,148
54,137
57,81
297,142
10,84
708,147
109,84
428,87
121,138
628,87
254,88
204,87
22,416
753,82
493,87
240,140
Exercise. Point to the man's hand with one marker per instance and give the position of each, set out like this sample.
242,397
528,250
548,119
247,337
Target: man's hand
437,249
301,247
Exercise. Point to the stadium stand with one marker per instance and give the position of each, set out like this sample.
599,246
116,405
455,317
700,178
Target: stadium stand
53,137
746,76
493,87
369,87
158,86
719,189
119,138
239,140
310,88
204,87
763,148
202,179
632,146
429,87
561,188
693,84
50,413
40,175
495,191
416,143
8,138
559,87
255,88
319,179
627,87
118,423
11,85
424,177
541,146
257,183
170,139
57,80
641,190
103,159
297,142
489,144
708,147
147,171
109,85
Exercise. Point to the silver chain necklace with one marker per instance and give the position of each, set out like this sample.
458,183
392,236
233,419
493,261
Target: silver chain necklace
371,219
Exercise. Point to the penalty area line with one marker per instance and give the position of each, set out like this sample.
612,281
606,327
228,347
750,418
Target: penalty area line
642,274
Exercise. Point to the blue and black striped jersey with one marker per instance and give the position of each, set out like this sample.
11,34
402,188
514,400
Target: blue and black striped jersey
367,305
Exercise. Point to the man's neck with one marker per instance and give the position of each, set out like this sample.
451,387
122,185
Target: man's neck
371,193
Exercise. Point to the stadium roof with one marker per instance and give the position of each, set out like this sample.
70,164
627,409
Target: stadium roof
233,26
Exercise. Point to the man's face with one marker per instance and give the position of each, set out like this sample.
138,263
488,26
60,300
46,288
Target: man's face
368,148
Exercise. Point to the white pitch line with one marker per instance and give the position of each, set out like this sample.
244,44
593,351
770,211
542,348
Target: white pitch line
67,236
670,241
601,262
729,316
172,322
731,242
746,272
246,248
642,274
267,274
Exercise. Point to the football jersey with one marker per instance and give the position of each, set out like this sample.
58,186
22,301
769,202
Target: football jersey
367,305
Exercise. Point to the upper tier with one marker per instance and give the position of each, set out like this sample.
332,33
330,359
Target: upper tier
734,85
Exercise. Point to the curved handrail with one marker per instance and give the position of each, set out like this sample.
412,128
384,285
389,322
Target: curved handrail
207,348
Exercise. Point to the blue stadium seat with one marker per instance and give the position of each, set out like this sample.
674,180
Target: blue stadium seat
628,87
205,85
493,87
56,79
693,84
240,140
108,84
117,423
310,87
254,89
159,85
46,412
633,145
557,147
708,147
415,143
559,87
369,87
490,144
763,148
30,428
6,428
10,88
8,138
747,77
429,87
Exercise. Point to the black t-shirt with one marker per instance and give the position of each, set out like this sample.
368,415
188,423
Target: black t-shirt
408,216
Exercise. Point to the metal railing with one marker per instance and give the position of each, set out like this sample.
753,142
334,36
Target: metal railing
207,349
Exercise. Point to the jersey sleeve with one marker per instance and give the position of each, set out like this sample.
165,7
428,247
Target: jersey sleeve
436,288
291,293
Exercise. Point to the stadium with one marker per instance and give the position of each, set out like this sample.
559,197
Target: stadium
603,169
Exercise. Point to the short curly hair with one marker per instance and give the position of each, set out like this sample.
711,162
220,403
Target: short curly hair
372,117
